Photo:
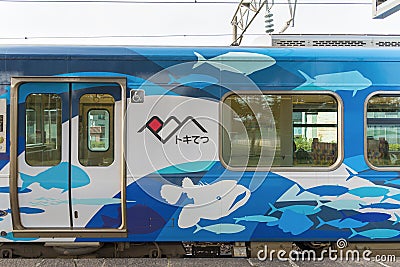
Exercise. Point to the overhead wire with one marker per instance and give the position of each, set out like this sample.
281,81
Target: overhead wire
176,2
123,36
154,2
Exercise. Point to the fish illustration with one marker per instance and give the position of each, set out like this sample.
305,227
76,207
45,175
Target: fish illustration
300,209
397,219
209,201
376,233
367,216
368,174
341,204
52,178
369,191
221,228
349,80
27,210
395,197
293,222
237,62
386,206
325,190
341,224
194,80
256,218
393,182
6,189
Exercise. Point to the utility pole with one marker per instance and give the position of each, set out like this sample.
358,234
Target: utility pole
247,12
244,16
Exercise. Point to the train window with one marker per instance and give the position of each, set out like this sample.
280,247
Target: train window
383,130
43,130
280,130
96,133
99,130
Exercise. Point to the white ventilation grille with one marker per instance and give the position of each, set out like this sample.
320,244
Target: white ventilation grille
335,41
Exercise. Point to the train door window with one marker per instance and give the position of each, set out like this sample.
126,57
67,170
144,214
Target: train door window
280,130
43,130
96,133
383,130
99,130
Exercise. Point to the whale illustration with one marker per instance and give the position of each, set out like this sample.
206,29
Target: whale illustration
209,201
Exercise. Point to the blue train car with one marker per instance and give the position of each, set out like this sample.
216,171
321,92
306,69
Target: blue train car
130,144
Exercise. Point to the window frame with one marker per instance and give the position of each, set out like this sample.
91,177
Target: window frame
340,132
377,168
111,129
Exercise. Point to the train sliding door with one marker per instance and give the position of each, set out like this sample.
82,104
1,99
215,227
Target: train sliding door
67,164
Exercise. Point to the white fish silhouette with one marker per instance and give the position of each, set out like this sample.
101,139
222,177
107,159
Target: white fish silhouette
221,228
239,62
348,81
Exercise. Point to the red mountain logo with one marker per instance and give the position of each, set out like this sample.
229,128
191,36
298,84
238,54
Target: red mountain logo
155,125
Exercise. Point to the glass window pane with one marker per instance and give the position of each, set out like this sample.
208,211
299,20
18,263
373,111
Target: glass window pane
99,130
383,130
280,130
43,130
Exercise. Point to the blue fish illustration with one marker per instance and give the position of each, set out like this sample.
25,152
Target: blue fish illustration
368,216
194,80
325,190
397,219
387,206
256,218
342,204
341,224
393,182
371,174
28,210
300,209
6,189
237,62
349,80
376,233
293,222
395,197
369,191
53,178
221,228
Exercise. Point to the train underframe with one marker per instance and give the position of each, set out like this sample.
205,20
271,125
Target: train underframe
260,250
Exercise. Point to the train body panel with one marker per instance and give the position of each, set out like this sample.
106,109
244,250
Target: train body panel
158,144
